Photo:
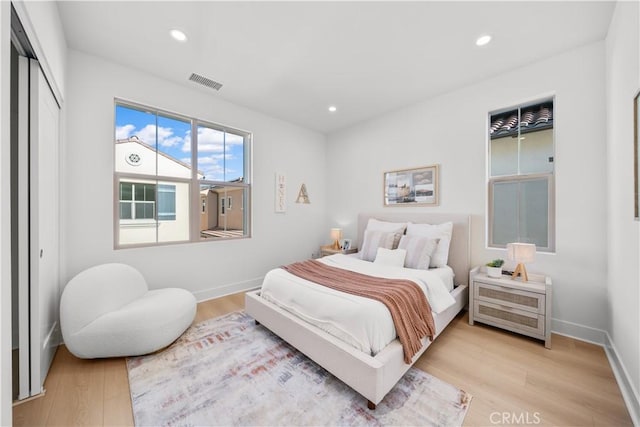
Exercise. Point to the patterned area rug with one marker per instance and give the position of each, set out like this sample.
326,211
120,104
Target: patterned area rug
229,371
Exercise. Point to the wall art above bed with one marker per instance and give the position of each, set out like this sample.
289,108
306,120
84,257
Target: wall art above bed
411,187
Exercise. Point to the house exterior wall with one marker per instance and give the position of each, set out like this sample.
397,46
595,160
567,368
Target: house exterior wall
148,161
233,218
140,231
208,215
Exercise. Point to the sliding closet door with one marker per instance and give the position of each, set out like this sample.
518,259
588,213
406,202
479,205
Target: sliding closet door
22,167
44,142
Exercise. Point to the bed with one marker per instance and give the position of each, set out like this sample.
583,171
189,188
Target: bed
370,374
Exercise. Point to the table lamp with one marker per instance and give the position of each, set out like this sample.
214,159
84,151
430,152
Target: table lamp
336,235
521,253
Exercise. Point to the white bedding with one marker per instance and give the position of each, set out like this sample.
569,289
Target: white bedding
364,323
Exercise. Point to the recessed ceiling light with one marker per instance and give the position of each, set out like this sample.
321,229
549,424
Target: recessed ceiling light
483,40
332,109
178,35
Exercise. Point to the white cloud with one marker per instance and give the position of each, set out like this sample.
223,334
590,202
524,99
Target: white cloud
210,160
166,138
212,141
124,132
210,136
213,172
210,148
233,139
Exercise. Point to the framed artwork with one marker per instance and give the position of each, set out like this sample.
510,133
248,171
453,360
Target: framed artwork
411,187
636,154
346,244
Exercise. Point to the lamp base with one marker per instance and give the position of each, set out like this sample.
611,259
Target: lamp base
520,271
336,245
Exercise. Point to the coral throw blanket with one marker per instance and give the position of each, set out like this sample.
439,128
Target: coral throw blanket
407,303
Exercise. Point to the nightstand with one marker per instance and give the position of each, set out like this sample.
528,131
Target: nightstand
514,305
328,250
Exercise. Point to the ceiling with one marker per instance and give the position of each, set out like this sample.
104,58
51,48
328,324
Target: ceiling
292,60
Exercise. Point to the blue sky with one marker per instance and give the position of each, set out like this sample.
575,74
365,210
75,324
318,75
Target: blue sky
220,154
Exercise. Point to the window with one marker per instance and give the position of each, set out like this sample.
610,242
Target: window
166,202
521,176
137,201
157,197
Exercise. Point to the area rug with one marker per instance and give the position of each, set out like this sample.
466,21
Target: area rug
230,371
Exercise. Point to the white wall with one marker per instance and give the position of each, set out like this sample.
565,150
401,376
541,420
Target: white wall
623,248
451,130
5,216
209,268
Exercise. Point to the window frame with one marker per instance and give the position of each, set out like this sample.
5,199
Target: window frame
194,182
522,177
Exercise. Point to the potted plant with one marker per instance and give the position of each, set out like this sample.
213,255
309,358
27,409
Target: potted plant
494,268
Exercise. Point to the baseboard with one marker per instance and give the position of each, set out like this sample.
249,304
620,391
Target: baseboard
232,288
629,393
579,332
602,338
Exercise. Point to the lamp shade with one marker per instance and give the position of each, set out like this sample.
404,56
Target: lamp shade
521,252
336,233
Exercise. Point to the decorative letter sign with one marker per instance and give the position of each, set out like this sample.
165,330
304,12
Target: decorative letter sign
281,193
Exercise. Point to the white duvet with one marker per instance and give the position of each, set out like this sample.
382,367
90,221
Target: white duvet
364,323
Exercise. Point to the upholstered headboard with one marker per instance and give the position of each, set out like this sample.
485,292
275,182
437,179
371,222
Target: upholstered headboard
460,249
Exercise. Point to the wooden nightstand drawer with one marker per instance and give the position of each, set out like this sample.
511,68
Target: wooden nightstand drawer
510,318
515,305
504,296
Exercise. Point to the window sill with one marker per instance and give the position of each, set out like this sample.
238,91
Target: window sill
138,224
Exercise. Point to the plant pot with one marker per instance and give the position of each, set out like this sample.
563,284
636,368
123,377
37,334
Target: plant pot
494,272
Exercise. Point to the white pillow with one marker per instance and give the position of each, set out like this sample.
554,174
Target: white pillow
419,251
389,227
374,240
390,257
441,231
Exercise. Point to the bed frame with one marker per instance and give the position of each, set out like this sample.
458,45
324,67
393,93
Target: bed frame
371,376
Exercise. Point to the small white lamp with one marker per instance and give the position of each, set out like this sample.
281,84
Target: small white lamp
521,253
336,235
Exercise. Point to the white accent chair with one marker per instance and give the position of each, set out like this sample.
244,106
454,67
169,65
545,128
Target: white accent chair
108,311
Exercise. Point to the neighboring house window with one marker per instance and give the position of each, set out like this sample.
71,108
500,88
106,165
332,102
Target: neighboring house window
137,201
166,202
222,210
155,154
521,176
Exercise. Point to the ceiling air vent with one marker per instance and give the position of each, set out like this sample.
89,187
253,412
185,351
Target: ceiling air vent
205,81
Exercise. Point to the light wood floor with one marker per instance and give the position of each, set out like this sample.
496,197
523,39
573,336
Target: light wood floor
513,380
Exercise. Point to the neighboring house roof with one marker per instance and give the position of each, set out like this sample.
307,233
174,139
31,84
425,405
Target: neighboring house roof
532,118
137,140
220,189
